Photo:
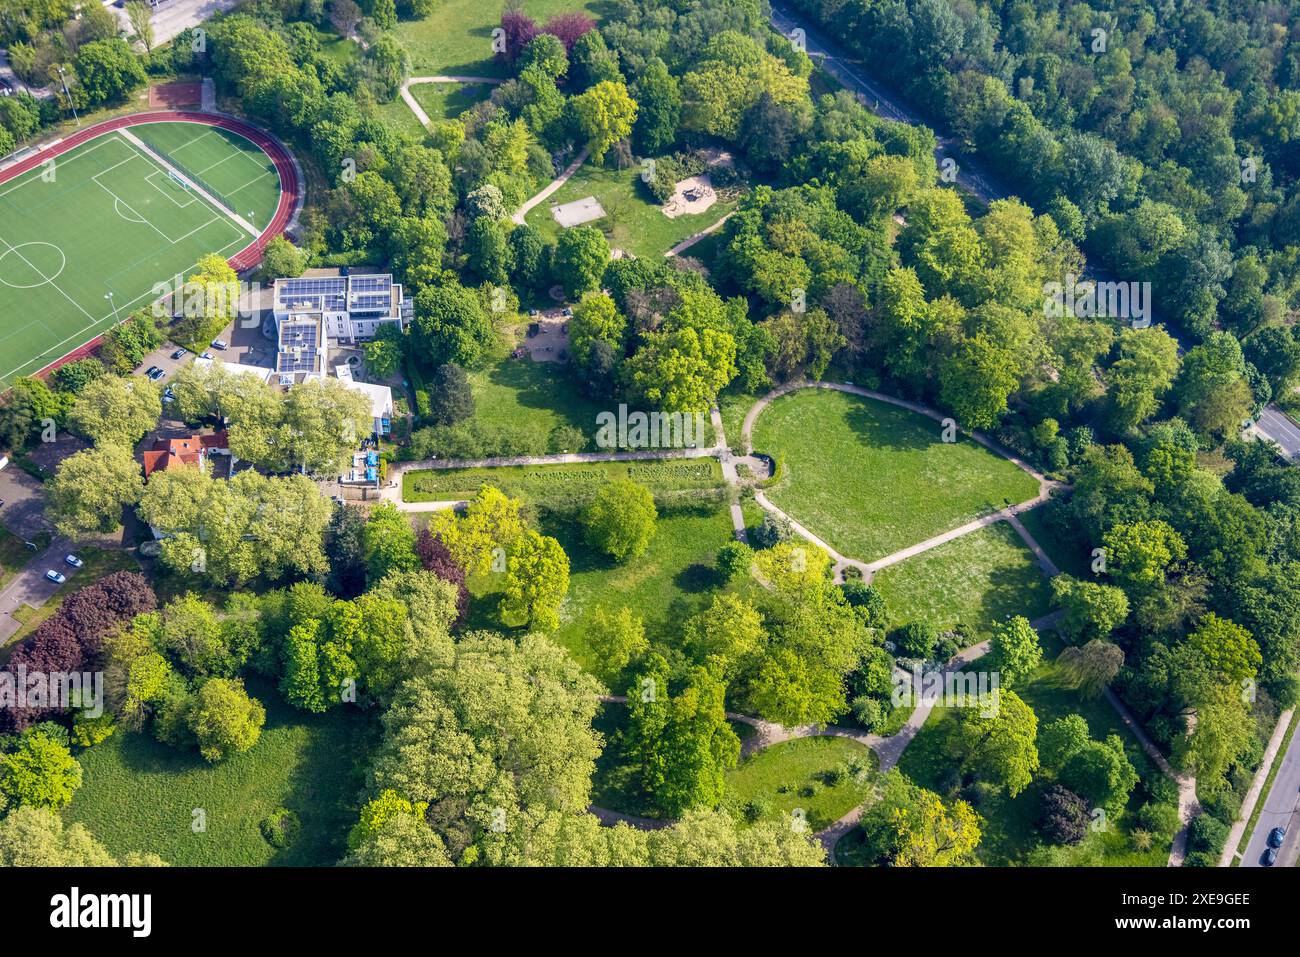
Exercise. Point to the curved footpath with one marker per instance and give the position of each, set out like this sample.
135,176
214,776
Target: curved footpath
888,750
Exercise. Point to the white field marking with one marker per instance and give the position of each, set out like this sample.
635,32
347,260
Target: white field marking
140,145
124,306
255,179
53,285
117,208
72,156
152,181
119,199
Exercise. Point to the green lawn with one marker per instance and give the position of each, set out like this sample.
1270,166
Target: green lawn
733,404
456,39
978,579
871,478
139,794
791,776
631,222
447,101
519,393
1009,831
559,484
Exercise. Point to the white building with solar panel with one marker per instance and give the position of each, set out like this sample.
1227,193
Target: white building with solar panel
350,308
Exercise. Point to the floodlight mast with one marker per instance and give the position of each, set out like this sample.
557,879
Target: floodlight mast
68,94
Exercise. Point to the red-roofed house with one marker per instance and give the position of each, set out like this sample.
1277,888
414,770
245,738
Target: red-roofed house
187,450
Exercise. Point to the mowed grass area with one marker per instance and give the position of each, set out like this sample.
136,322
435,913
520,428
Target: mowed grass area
871,478
819,779
1009,823
559,484
447,101
514,393
978,579
456,39
632,222
106,218
230,167
668,584
139,794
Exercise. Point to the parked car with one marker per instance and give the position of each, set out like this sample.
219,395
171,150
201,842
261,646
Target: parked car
206,355
179,352
150,371
1270,857
156,374
55,577
74,561
1276,837
220,344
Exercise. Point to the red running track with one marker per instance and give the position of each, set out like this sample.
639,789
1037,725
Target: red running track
246,258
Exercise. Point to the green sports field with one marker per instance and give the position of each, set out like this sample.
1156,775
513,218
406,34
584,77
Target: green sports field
109,217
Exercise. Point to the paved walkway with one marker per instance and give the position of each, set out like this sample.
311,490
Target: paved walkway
551,189
694,238
417,109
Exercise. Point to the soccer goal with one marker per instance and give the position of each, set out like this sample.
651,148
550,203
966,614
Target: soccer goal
178,179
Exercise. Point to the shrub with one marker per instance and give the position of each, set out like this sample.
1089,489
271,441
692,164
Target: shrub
916,639
756,809
280,827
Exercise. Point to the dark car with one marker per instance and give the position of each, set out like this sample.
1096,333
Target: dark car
178,353
6,87
1276,837
157,374
150,371
1270,857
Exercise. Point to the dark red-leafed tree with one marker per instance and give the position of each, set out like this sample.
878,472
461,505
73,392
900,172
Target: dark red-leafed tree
569,27
435,557
519,29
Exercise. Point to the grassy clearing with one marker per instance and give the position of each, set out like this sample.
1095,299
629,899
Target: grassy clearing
558,484
456,39
447,101
733,404
139,794
515,393
978,580
794,776
1009,823
871,478
631,222
665,586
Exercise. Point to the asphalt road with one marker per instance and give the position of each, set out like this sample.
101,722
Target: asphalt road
31,587
1281,808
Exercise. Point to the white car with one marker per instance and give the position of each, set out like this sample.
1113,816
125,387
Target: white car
55,577
74,561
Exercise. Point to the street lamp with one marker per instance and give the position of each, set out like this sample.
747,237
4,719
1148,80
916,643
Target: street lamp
66,92
109,296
